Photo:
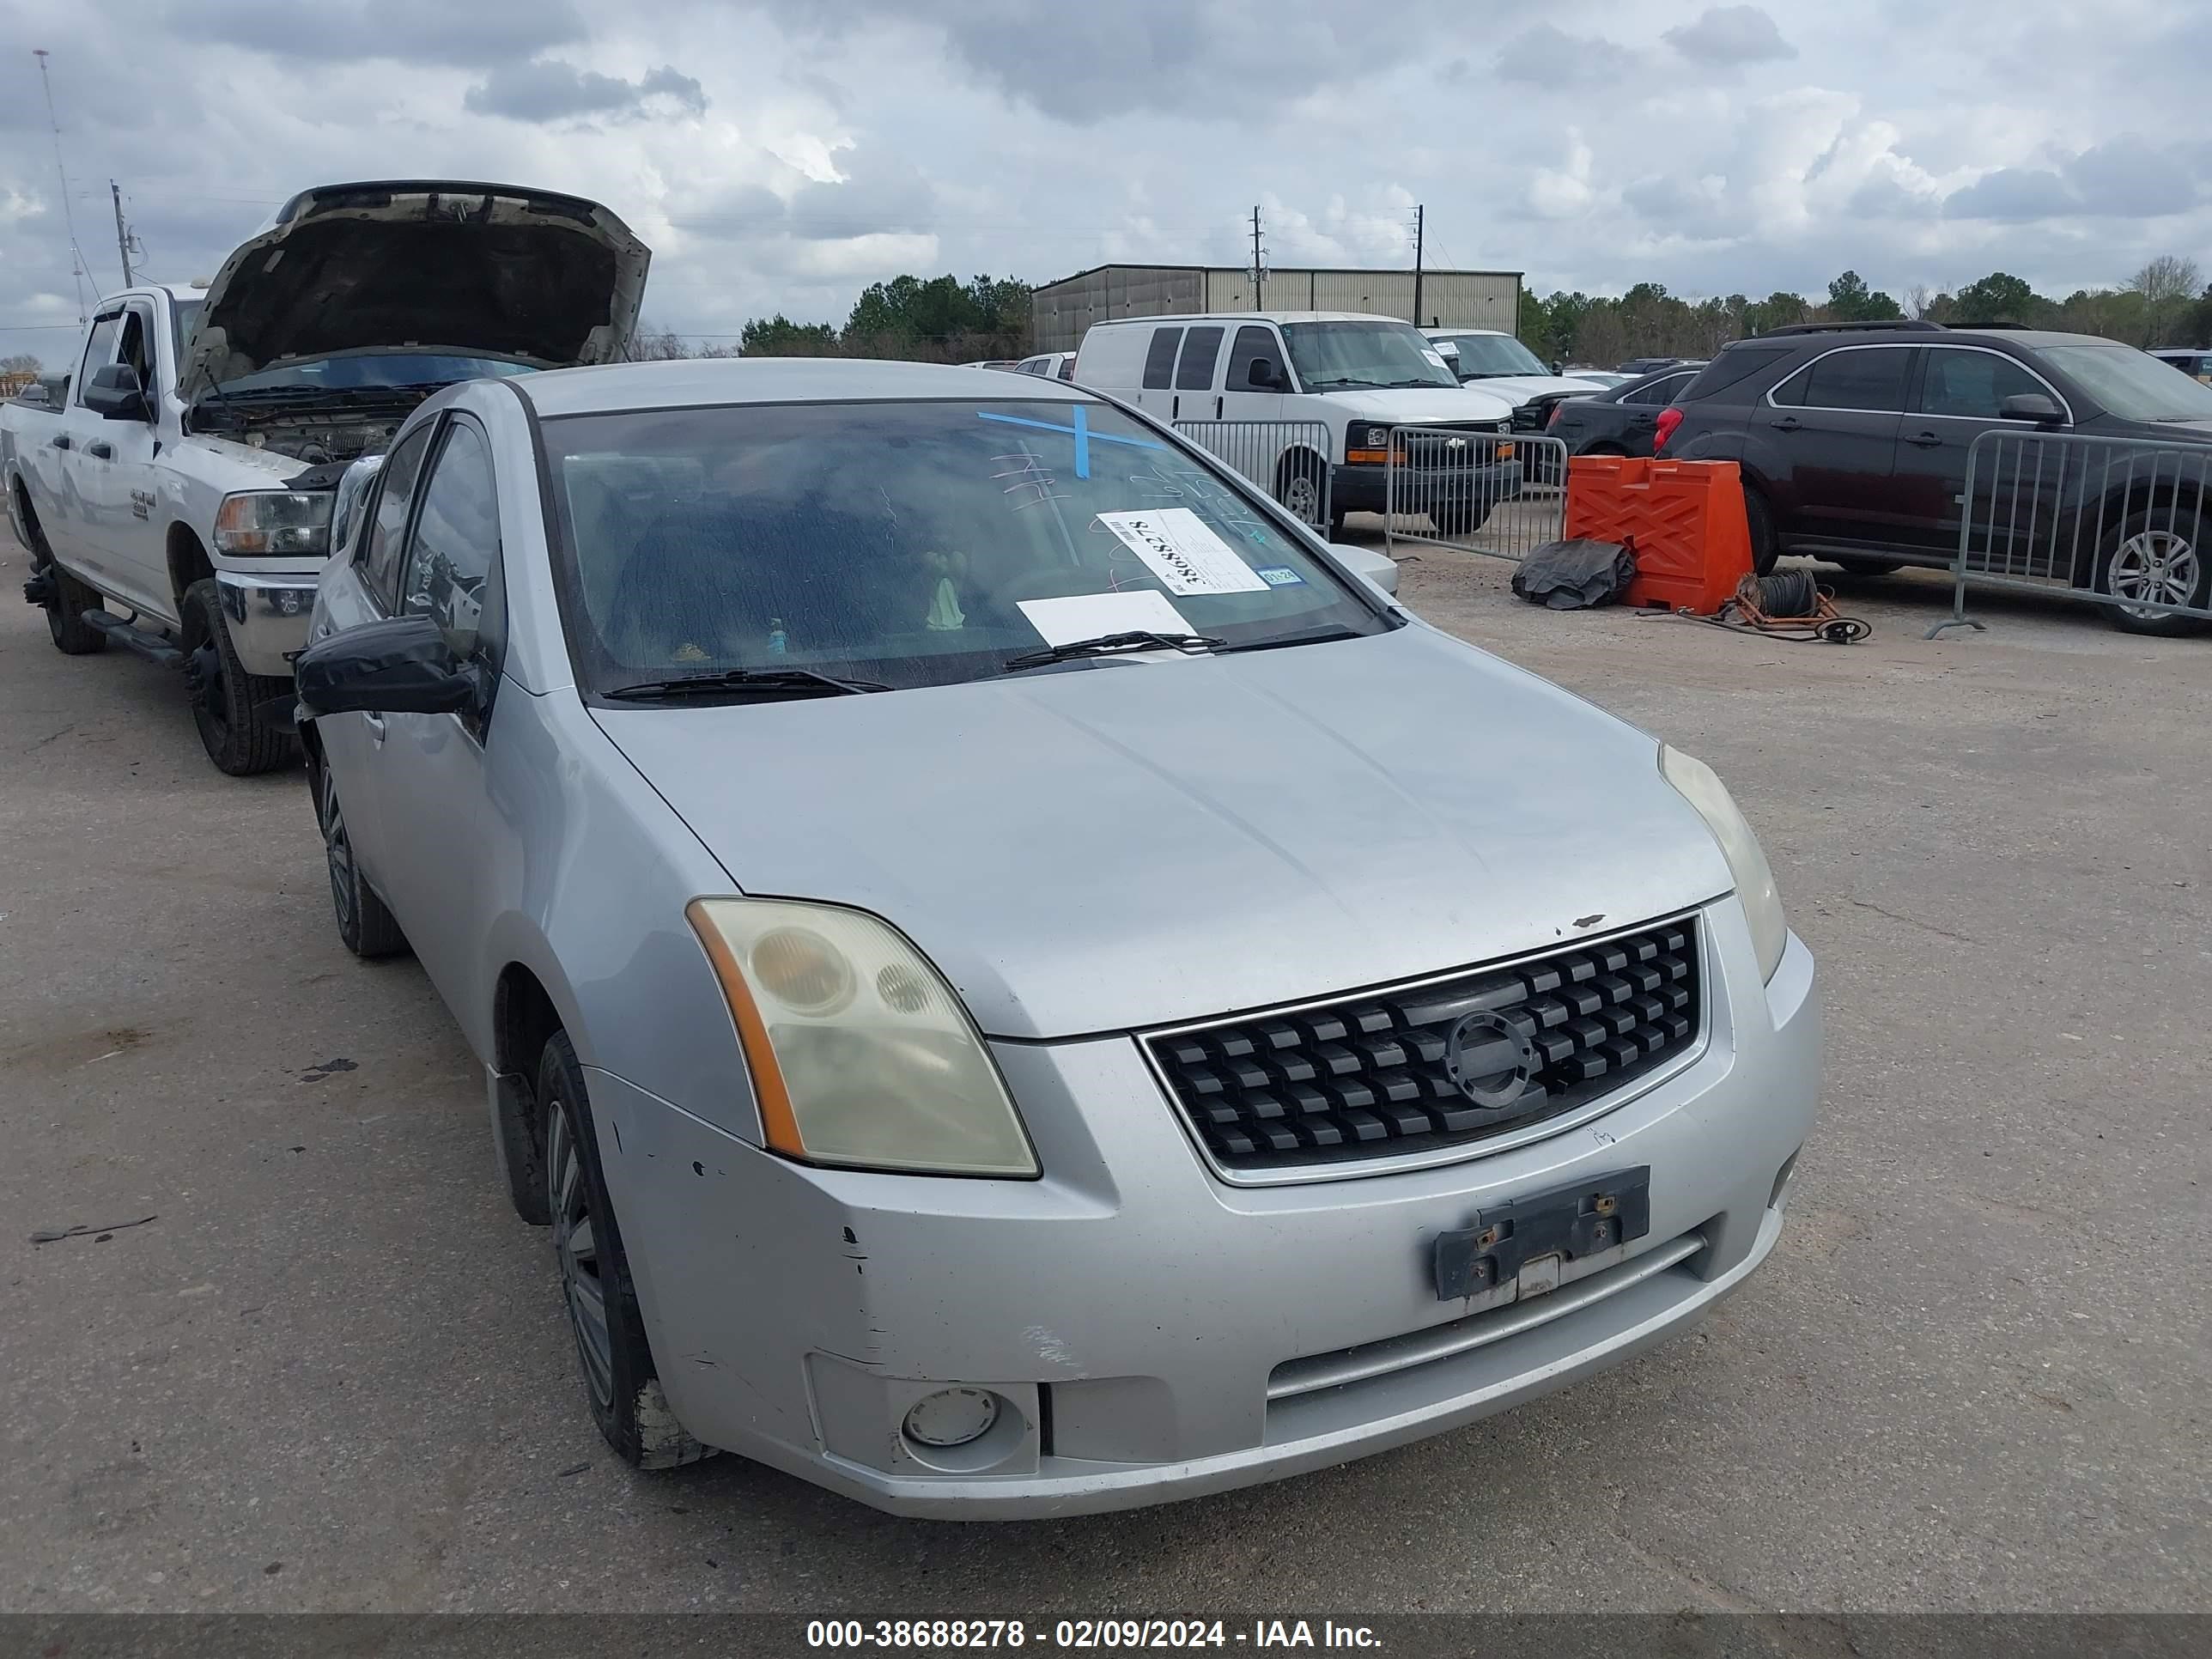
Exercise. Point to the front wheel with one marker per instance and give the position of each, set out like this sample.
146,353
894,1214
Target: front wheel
620,1380
1301,486
226,699
2150,562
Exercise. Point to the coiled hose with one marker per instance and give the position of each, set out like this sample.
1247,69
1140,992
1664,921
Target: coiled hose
1787,593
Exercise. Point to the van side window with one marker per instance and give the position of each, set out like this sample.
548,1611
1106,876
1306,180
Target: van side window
1159,361
1201,349
1252,342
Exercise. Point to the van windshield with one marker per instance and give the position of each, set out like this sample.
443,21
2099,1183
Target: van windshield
908,543
1364,356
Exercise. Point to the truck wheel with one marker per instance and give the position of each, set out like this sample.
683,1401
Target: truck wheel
225,696
67,598
1458,518
2148,559
620,1378
365,927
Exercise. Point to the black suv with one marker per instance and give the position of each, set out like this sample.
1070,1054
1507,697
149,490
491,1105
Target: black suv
1853,438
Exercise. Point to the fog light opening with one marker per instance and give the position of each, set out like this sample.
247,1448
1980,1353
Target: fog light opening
952,1417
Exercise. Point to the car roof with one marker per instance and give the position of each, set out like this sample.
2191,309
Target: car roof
1435,333
1257,317
698,382
1926,335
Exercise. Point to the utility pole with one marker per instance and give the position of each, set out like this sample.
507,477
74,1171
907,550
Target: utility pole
1258,276
77,272
122,235
1421,217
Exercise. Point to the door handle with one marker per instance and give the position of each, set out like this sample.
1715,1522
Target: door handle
1175,408
62,442
1925,440
1217,409
1787,423
375,723
100,450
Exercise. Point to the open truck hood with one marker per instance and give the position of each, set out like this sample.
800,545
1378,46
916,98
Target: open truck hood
433,264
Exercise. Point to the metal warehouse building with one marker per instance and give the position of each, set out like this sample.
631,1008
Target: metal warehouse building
1061,311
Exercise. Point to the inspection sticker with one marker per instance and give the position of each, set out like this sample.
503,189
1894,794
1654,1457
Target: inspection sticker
1280,576
1186,555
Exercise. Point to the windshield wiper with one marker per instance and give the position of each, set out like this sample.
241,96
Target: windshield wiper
1318,636
799,682
1107,645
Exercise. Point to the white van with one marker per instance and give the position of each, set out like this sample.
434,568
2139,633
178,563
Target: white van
1357,376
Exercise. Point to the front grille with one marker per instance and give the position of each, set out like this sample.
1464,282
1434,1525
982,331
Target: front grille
1433,445
1372,1075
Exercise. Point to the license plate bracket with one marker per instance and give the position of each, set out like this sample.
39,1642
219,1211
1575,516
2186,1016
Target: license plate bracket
1599,1213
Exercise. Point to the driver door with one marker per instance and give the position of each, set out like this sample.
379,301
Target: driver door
116,468
434,811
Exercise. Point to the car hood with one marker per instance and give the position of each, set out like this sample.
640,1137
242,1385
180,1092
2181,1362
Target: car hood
489,271
1143,843
1423,405
1519,388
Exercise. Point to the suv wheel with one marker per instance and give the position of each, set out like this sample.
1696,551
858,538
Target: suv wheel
1759,520
2147,560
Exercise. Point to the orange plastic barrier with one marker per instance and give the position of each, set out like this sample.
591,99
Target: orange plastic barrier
1683,519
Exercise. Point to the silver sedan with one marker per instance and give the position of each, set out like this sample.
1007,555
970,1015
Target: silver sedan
1020,980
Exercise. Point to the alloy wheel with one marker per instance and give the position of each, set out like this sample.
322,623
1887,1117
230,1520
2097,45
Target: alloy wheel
575,1241
2154,567
338,852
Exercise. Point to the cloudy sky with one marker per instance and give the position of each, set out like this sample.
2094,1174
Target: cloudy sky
780,157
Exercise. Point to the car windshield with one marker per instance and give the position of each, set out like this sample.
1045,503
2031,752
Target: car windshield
2131,384
1484,355
374,370
1338,356
908,543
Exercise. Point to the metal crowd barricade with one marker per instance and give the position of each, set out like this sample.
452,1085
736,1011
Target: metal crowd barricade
2119,522
1289,459
1475,490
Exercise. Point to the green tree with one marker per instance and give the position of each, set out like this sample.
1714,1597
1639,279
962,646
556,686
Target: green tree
1779,309
1999,297
1850,301
778,337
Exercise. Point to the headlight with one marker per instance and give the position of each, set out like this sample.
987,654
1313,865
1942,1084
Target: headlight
274,522
1754,882
860,1055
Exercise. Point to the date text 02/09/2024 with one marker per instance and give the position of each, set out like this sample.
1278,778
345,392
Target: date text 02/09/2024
937,1633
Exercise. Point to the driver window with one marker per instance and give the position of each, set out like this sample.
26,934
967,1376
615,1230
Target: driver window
99,350
134,349
452,563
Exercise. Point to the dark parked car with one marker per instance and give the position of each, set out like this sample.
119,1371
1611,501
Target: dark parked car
2195,363
1653,365
1619,422
1853,440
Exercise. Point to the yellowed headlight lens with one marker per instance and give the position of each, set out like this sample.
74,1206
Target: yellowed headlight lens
803,971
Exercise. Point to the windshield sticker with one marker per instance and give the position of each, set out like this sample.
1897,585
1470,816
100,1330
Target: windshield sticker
1433,356
1080,431
1092,616
1280,576
1186,555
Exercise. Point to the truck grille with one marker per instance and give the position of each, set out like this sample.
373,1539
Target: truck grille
1432,446
1375,1074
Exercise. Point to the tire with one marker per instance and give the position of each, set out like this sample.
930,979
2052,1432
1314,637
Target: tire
620,1379
226,698
2146,558
1302,485
365,927
1337,515
1870,566
71,598
1759,520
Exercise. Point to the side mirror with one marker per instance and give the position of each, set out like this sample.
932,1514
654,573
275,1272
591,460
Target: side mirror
115,394
2038,406
401,667
1376,569
1262,375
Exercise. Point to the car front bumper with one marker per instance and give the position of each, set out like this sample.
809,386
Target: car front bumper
1363,489
267,616
1152,1331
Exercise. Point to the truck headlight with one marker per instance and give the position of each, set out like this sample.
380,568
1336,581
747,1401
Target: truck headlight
1754,882
272,523
860,1055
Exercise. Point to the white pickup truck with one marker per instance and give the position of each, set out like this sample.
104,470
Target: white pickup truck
176,496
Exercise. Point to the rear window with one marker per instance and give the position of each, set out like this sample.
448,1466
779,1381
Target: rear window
1736,364
1864,378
